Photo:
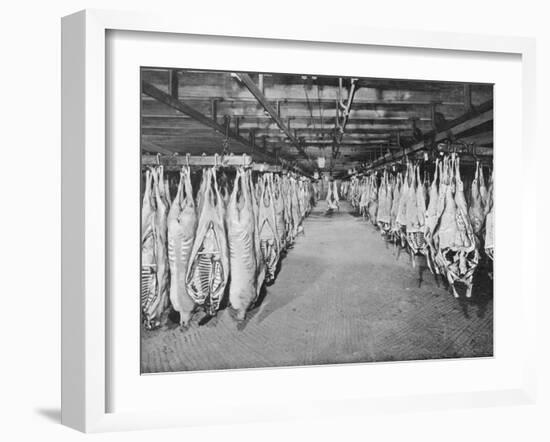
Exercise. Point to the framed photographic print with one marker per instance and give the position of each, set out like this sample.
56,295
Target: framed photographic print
283,223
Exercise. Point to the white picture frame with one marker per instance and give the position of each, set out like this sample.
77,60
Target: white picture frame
85,348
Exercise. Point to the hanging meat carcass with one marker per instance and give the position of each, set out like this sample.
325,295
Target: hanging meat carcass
163,189
489,222
260,263
364,200
354,193
373,198
287,199
166,192
332,199
329,198
381,200
154,257
148,244
402,205
432,218
385,195
476,210
182,225
345,190
416,215
457,251
223,183
269,240
201,194
295,208
302,199
358,188
208,269
147,215
395,235
335,194
242,249
401,219
279,204
163,266
483,189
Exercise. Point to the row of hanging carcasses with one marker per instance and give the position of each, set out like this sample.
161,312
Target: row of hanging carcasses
196,250
333,199
432,219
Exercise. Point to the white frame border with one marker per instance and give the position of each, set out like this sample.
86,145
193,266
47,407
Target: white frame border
84,238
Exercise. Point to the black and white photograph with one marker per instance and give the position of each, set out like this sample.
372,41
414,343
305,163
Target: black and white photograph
295,219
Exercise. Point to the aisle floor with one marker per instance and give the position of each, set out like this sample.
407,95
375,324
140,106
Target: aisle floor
342,295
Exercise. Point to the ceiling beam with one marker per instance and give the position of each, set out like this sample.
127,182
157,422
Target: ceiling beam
175,120
307,133
295,109
199,149
288,101
455,128
298,124
327,143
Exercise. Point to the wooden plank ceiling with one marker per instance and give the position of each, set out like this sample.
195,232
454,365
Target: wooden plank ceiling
293,117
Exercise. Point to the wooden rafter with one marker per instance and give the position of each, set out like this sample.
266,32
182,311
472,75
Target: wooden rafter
456,128
169,100
258,94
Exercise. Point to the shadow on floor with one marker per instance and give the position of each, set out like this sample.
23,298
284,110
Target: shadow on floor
482,293
51,414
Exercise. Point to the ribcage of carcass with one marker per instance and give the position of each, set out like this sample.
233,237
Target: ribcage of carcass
416,241
148,286
269,255
204,273
207,276
267,247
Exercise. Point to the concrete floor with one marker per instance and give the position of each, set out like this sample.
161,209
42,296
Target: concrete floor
342,295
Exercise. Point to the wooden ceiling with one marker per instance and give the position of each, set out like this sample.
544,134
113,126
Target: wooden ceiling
293,117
